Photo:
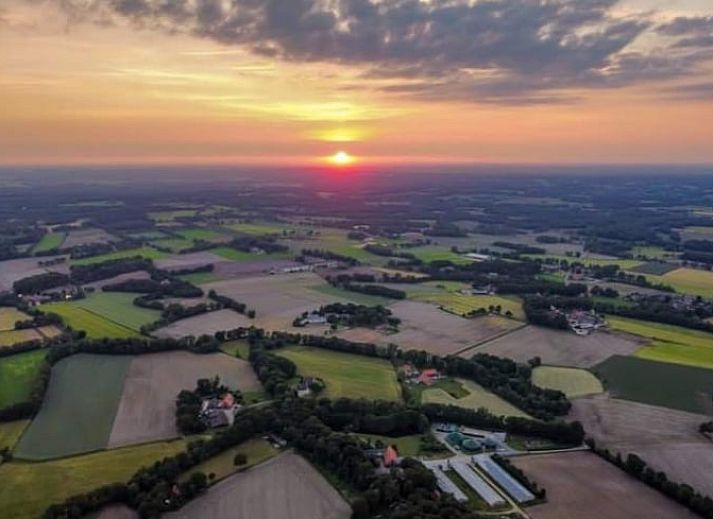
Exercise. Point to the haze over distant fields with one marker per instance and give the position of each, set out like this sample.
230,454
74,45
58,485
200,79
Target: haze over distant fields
390,81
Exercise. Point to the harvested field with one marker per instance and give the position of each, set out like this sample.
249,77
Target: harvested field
139,274
79,408
204,324
303,493
580,485
478,397
345,374
185,261
573,382
277,299
146,411
60,479
12,337
10,432
14,270
18,373
87,237
236,269
559,348
666,439
658,383
425,327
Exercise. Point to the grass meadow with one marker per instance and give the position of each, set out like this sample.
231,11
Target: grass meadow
345,374
17,376
687,281
144,252
573,382
257,450
50,241
79,408
60,479
477,397
9,316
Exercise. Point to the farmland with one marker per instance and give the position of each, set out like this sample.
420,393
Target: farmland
66,477
238,255
425,327
146,411
9,316
430,253
170,216
17,376
657,383
144,252
202,234
580,485
104,314
303,493
667,439
79,408
11,337
669,343
50,241
656,268
624,264
478,397
86,236
573,382
463,304
346,375
204,324
559,348
13,270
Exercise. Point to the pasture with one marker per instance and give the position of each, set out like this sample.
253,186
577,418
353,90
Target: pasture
60,479
202,234
204,324
573,382
462,304
477,397
104,314
429,253
658,383
624,264
144,252
346,375
146,411
669,343
303,492
425,327
653,252
201,278
667,439
12,337
262,228
687,281
559,348
257,451
18,374
172,244
50,241
170,216
581,485
78,410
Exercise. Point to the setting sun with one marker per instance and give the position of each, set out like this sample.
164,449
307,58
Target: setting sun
341,158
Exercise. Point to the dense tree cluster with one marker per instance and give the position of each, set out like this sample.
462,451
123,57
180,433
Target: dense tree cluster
267,244
82,274
327,255
350,314
188,404
519,248
375,290
175,312
228,302
40,282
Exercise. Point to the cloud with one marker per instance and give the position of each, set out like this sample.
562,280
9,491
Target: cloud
489,50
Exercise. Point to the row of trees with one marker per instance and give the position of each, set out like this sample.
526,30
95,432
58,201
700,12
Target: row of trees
350,314
228,302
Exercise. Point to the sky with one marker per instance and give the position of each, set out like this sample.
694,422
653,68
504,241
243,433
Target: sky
387,81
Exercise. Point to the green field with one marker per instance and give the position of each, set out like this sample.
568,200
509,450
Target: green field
655,268
10,432
669,343
478,397
573,382
79,408
354,297
346,375
687,281
238,255
430,253
169,216
144,252
552,277
201,278
462,304
625,264
652,252
236,349
200,234
9,316
12,337
173,244
658,383
17,376
262,228
50,241
104,314
257,450
27,489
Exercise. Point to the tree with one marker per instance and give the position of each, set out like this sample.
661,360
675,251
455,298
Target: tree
240,459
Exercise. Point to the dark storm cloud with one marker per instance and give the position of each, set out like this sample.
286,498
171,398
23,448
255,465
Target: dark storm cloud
485,50
692,32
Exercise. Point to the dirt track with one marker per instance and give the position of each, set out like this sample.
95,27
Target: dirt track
560,348
580,485
147,407
286,487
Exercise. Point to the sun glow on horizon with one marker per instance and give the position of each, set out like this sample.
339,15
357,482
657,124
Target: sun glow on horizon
341,158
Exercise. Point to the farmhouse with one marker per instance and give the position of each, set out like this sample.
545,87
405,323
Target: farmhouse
584,323
307,385
426,377
219,412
